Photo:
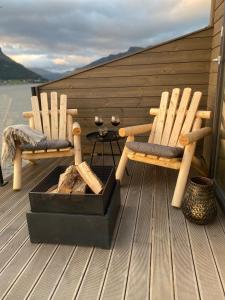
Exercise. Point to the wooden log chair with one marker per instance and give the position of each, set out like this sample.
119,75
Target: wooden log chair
173,135
63,136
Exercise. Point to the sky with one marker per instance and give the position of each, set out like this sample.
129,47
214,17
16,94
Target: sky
61,35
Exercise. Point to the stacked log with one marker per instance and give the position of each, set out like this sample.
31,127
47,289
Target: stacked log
75,180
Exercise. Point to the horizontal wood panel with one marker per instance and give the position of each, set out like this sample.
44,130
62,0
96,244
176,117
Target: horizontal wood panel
217,26
123,92
108,102
185,44
214,67
149,57
218,3
202,33
142,81
213,78
219,12
88,122
112,103
211,97
216,40
157,69
215,52
108,113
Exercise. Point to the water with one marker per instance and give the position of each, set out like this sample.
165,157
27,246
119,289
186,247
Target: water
14,100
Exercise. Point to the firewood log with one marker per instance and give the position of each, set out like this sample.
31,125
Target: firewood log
71,182
89,177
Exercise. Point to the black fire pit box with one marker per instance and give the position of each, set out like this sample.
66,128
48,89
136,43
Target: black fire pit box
88,203
84,230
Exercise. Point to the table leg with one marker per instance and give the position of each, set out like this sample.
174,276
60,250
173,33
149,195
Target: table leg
120,154
2,182
112,153
103,153
92,154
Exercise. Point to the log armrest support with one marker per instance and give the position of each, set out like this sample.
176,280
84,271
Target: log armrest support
76,129
133,130
191,137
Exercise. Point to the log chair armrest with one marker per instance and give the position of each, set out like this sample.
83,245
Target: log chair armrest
133,130
70,111
28,114
76,129
30,117
191,137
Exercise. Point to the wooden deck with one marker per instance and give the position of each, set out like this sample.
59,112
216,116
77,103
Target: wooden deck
155,254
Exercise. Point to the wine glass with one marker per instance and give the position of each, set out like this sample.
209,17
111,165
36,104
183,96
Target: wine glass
98,121
115,120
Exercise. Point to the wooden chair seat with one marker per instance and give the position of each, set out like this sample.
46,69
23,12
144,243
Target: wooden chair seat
155,149
159,161
177,123
46,145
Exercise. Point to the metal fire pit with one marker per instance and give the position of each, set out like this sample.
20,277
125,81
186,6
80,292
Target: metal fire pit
88,203
86,220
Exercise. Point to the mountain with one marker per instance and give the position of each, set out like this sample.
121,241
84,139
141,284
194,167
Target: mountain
111,57
11,70
48,74
56,75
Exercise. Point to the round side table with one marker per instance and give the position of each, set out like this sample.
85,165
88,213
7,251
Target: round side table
111,136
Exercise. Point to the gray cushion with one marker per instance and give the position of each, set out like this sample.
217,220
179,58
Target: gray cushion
155,149
47,144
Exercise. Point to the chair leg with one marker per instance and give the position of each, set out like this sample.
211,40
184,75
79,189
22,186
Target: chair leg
17,174
77,150
33,161
183,175
123,161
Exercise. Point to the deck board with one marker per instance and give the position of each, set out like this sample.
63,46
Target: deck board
138,285
94,277
117,272
185,283
161,278
156,253
207,275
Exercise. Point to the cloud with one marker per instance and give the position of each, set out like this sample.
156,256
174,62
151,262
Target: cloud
79,31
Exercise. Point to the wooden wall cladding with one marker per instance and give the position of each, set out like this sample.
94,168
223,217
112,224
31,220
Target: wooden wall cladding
218,19
131,85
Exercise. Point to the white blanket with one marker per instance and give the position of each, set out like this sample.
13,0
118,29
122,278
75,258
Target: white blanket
20,134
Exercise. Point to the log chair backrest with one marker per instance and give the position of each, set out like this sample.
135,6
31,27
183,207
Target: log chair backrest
176,116
52,122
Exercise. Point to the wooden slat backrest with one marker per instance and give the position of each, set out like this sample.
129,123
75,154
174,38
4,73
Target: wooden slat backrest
45,115
170,123
161,117
191,114
171,114
52,122
62,117
152,134
36,113
180,117
54,116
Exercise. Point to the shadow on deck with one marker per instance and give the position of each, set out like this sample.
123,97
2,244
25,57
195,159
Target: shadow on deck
155,253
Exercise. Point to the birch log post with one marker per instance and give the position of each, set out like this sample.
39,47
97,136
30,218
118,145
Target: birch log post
77,143
17,178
